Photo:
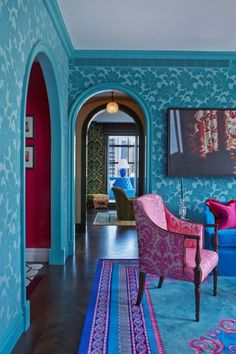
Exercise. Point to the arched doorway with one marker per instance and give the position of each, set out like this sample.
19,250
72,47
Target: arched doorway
38,169
115,130
43,55
76,107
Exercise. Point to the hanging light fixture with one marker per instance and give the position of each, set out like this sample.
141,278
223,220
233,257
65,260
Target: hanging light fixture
112,107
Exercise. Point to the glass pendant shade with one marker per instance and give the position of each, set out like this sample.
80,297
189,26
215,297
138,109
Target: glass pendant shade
112,107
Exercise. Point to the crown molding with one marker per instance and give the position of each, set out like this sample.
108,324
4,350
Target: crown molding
59,24
147,54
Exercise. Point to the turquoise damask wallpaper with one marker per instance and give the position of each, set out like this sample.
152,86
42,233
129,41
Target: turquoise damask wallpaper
162,84
159,83
23,23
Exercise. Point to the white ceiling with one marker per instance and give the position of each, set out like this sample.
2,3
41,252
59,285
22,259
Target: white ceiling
193,25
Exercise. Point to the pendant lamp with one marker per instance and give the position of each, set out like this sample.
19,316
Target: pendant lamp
112,107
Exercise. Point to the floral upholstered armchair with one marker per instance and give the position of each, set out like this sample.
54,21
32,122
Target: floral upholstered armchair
171,247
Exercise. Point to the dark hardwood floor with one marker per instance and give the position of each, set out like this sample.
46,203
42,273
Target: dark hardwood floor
59,302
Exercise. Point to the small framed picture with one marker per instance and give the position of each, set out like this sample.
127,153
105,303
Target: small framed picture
29,157
29,127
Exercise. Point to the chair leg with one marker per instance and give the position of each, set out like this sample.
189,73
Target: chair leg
160,282
142,278
197,300
215,281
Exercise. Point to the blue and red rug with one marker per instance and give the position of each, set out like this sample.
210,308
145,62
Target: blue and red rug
164,323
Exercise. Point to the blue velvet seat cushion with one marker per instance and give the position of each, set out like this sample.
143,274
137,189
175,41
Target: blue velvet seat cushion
226,238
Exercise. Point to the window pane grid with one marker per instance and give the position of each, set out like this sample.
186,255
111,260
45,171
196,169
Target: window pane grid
121,147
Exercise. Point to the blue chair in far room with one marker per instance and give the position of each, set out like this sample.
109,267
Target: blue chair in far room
226,241
125,183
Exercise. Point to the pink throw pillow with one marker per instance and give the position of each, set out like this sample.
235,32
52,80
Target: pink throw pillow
225,214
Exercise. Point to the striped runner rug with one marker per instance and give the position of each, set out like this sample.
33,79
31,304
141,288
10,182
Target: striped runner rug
110,218
164,323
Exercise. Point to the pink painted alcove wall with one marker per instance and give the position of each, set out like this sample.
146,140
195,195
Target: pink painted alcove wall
38,179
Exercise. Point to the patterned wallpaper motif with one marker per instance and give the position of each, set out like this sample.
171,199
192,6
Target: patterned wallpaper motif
96,180
161,88
22,24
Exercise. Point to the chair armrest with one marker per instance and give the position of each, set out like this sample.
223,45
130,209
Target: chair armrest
215,243
197,269
131,200
176,224
210,225
193,237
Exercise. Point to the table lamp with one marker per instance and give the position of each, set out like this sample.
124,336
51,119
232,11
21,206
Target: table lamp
123,166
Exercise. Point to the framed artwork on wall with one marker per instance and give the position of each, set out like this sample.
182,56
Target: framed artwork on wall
29,156
201,142
29,127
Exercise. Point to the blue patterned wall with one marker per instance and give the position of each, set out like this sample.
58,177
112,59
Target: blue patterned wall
22,24
162,84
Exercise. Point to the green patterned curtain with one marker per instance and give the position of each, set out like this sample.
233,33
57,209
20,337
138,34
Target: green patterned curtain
96,169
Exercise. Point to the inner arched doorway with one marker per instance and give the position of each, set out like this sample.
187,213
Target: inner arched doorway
88,113
75,188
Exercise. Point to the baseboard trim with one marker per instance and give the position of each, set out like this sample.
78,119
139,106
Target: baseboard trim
37,254
12,335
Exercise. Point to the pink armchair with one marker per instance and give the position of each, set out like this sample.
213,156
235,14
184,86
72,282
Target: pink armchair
171,247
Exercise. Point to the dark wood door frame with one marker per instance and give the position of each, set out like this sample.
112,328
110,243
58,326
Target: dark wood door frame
141,157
